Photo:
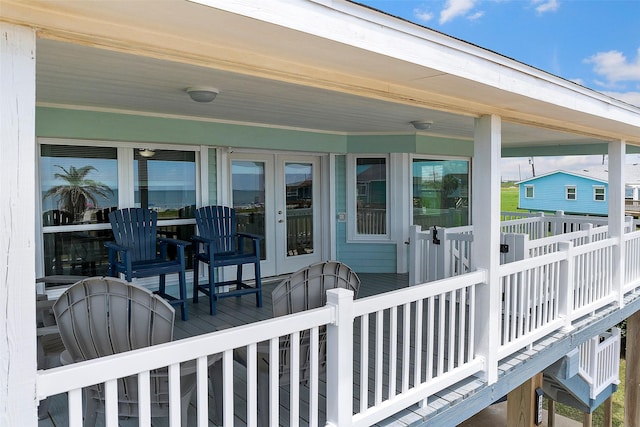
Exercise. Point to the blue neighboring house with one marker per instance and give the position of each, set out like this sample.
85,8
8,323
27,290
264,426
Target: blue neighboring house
581,192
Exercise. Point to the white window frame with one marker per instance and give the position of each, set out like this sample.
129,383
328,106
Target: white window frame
352,197
604,193
575,192
529,187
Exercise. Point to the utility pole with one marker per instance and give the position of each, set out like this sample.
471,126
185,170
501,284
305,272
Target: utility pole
533,166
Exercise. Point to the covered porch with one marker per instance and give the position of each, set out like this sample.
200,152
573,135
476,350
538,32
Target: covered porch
424,328
333,86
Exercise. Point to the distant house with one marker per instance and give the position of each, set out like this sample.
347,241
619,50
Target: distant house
577,192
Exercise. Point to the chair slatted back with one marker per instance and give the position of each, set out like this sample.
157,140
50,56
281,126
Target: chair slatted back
304,290
218,223
136,228
101,316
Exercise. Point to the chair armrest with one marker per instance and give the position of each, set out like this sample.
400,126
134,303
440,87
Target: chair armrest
200,239
250,236
113,246
175,242
47,330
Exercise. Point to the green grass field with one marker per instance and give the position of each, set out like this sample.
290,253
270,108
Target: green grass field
509,199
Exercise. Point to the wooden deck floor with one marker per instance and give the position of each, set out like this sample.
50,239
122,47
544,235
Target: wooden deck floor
230,312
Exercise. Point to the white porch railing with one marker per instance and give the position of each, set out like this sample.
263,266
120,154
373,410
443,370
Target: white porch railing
438,320
384,353
600,361
632,252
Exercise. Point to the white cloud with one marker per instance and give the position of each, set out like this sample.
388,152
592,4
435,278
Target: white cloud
454,8
615,67
543,6
475,16
422,15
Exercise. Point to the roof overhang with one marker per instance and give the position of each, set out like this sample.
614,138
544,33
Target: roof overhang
327,66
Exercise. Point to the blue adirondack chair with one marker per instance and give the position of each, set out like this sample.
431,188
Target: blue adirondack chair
139,252
219,244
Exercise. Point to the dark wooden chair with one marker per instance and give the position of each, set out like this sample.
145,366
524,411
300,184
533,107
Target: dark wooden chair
139,252
219,244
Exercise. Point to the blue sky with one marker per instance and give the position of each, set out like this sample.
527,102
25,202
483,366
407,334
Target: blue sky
595,43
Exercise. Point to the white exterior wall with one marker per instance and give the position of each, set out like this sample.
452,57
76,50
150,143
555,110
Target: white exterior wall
18,406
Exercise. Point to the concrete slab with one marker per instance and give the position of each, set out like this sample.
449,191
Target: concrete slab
496,416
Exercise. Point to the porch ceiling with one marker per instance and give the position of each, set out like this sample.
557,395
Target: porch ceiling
139,56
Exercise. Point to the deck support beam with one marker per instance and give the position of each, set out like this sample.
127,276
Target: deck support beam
632,380
18,404
616,190
522,403
485,215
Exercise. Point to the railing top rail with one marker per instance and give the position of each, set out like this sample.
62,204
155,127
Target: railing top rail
96,371
529,263
632,235
519,221
593,246
414,293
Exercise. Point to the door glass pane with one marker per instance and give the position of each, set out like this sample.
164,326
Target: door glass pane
79,186
248,192
299,197
440,193
166,182
371,183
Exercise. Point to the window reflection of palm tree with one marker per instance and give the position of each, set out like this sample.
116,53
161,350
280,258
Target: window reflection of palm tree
77,190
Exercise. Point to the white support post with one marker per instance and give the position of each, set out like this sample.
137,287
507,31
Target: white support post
565,298
486,241
18,404
340,359
617,150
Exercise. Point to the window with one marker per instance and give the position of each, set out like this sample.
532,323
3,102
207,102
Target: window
528,191
79,186
599,193
440,190
368,197
571,193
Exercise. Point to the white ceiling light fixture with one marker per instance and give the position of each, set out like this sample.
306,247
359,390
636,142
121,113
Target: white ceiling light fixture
202,93
146,152
422,124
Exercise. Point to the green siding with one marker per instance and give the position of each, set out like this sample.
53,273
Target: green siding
413,143
66,123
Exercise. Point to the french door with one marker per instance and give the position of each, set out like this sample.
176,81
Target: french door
277,196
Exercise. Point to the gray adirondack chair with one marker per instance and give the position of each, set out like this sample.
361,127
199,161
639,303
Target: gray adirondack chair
303,290
139,252
219,244
101,316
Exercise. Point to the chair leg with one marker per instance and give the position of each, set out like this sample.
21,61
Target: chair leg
215,376
90,410
182,279
212,289
162,286
258,285
196,268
